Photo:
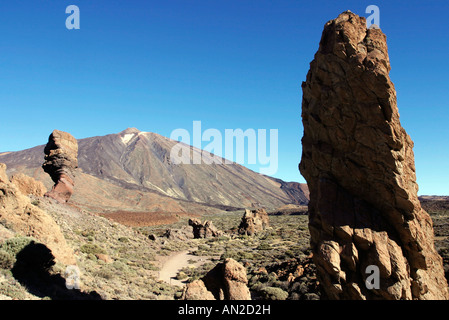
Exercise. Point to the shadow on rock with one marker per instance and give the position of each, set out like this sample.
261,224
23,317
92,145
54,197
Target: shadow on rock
33,270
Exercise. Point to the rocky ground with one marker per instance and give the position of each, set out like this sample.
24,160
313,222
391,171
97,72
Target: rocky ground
116,262
121,262
277,260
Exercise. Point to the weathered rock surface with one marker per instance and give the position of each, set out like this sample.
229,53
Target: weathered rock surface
28,185
26,219
226,281
196,290
61,161
203,230
359,165
253,221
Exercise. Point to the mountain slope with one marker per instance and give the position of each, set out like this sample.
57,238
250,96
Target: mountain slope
132,169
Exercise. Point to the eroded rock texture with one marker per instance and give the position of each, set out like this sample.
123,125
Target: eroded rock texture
203,230
28,185
226,281
359,165
61,160
253,221
24,218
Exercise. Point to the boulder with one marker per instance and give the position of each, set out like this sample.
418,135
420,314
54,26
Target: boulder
203,230
61,161
253,221
226,281
359,165
196,290
28,220
28,185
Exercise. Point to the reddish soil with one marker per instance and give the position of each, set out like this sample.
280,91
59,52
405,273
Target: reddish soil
144,219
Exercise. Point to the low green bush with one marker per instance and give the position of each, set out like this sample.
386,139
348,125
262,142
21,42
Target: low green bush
14,245
271,293
91,248
7,260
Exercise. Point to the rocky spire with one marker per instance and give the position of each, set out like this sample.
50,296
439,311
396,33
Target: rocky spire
61,161
359,165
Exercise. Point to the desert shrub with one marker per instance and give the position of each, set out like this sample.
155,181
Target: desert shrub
149,266
246,255
272,293
311,296
257,286
269,236
271,277
91,248
290,253
7,260
203,247
93,257
87,233
105,273
264,246
119,265
231,254
294,296
284,285
13,289
218,239
181,276
14,245
123,239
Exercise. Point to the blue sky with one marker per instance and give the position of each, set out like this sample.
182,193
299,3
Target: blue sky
160,65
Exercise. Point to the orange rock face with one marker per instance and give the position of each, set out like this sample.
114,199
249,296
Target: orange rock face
359,165
28,185
27,219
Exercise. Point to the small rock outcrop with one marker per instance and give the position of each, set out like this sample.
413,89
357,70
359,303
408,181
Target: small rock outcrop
28,185
26,219
203,230
196,290
61,161
253,221
226,281
359,165
178,234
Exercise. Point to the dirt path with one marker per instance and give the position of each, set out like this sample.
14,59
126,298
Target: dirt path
171,266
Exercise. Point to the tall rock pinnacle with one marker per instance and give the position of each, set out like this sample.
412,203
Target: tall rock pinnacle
61,160
359,165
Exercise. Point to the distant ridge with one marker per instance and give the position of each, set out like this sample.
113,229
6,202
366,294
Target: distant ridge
131,170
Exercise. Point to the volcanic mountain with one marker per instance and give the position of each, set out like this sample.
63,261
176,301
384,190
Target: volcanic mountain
132,171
